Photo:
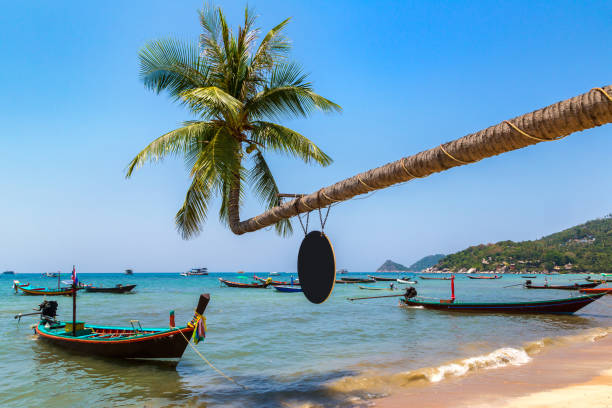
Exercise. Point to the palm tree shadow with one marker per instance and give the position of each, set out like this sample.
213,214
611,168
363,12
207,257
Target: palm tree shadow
273,392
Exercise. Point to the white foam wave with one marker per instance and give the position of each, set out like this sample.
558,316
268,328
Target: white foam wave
499,358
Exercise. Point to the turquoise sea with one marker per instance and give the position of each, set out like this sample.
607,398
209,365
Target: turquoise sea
286,351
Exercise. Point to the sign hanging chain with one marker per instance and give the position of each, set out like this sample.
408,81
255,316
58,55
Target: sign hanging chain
323,221
305,229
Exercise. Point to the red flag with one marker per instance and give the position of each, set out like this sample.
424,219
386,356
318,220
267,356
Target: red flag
74,277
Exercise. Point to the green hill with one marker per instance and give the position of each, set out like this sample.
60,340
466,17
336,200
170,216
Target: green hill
426,262
586,247
390,266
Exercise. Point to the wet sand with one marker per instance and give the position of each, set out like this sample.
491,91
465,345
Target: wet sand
574,375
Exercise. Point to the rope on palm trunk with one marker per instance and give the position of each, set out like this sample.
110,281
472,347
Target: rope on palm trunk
553,122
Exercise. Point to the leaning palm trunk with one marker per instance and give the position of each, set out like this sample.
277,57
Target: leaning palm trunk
553,122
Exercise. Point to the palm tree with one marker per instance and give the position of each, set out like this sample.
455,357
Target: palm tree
237,90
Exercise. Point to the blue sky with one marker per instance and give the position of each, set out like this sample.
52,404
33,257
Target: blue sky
409,76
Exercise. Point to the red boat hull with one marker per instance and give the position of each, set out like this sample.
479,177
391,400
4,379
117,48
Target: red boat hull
244,285
596,290
165,345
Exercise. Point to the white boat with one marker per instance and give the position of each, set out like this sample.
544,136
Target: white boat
408,282
196,272
274,273
51,274
342,271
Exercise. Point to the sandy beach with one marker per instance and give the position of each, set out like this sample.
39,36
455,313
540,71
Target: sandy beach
567,375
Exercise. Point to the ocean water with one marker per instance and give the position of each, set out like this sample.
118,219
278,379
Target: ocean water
281,349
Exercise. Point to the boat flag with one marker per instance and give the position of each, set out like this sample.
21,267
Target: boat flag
75,281
199,332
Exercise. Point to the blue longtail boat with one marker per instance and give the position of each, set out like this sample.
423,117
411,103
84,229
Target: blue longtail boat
282,288
119,342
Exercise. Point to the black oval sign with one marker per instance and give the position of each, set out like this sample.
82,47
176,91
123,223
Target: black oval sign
316,267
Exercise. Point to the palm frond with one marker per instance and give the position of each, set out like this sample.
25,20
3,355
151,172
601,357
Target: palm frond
287,94
193,212
220,158
212,102
273,48
265,187
211,50
172,65
284,140
194,135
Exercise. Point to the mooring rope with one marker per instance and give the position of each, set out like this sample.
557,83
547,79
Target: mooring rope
210,364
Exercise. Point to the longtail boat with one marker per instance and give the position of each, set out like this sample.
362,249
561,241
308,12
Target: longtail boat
116,289
564,306
28,289
381,279
295,282
120,342
244,285
485,277
355,280
575,286
283,288
529,276
606,279
596,290
358,279
406,281
434,278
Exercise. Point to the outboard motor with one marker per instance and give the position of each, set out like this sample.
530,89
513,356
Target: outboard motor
48,310
410,293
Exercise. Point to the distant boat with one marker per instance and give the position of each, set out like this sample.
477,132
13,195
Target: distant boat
51,274
604,278
8,272
274,273
485,277
113,289
28,289
596,290
575,286
240,271
435,278
244,285
282,288
292,282
530,276
129,272
342,271
196,272
378,278
355,280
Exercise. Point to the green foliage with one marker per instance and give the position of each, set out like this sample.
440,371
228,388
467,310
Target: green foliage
235,88
587,247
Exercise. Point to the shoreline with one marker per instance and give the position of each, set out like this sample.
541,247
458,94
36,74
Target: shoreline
564,375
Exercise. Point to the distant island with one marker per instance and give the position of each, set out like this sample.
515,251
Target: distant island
426,262
583,248
423,263
390,266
